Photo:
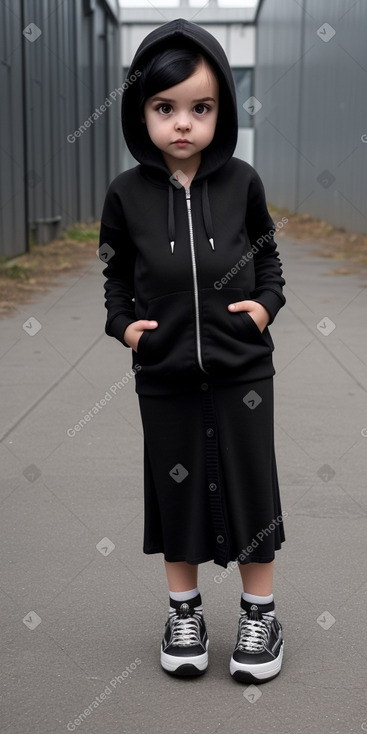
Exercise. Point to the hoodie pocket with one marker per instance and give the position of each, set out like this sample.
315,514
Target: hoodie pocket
170,347
230,340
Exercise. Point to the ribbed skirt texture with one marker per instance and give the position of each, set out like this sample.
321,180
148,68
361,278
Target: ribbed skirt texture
211,487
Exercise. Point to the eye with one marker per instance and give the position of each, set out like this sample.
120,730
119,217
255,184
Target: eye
164,109
201,109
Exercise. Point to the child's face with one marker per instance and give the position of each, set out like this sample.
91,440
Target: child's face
187,112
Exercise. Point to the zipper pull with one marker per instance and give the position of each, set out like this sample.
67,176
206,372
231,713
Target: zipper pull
188,198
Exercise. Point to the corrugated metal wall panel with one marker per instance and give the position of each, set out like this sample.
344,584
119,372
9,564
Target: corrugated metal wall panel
114,131
334,114
67,75
12,166
101,91
277,87
84,107
309,147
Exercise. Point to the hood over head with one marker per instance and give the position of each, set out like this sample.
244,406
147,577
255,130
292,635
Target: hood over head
181,32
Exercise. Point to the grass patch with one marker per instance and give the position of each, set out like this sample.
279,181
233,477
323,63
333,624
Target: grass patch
80,233
14,272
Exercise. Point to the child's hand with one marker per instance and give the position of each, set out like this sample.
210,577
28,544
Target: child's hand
134,331
254,309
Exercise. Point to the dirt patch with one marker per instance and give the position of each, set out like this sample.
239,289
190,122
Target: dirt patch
326,241
23,278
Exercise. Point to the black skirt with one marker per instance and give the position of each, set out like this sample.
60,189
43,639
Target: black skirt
210,478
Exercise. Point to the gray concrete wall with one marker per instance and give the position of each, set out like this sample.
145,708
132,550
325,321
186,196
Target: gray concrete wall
310,78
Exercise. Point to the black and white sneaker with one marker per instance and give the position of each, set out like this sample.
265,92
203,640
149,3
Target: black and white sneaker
185,641
258,653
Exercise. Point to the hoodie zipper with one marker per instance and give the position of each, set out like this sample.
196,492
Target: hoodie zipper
194,275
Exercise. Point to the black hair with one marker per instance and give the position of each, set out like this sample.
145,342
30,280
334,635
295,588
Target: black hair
168,68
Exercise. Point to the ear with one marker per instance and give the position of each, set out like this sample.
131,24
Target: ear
142,119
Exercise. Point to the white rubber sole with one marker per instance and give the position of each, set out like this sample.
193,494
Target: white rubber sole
259,672
190,665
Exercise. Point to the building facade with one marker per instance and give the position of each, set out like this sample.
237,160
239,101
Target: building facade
311,123
60,147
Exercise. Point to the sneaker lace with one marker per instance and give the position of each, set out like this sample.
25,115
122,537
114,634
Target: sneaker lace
185,630
254,631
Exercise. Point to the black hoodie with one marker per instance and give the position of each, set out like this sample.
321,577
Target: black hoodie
182,256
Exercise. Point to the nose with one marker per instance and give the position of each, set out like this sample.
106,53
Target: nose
183,122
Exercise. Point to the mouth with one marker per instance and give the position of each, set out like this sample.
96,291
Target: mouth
182,141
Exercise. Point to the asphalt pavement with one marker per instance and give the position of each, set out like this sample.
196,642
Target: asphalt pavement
83,609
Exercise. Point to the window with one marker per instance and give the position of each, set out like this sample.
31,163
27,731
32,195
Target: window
243,82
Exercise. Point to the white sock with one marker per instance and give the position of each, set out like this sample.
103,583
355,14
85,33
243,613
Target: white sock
253,599
183,595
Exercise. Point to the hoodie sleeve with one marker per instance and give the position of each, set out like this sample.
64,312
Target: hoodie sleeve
117,249
268,269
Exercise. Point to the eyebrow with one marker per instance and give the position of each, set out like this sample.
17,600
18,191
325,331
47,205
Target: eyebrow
165,99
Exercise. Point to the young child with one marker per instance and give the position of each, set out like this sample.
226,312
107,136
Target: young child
193,280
